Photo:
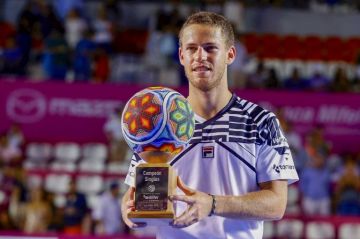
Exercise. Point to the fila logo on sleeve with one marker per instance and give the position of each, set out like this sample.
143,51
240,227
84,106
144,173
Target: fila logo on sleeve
208,151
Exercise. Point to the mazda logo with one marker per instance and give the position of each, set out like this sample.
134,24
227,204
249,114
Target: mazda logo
26,106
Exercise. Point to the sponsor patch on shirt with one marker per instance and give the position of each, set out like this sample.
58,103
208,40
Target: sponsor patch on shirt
208,151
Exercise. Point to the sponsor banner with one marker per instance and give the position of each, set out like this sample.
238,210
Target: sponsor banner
55,111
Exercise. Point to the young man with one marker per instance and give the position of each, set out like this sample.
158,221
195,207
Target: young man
237,167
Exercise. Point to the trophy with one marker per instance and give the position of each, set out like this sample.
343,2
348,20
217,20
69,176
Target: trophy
157,123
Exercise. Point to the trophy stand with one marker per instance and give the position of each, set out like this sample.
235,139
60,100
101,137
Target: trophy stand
155,180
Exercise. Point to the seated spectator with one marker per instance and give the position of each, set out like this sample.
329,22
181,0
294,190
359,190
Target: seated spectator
258,78
76,218
319,82
37,212
296,82
341,82
272,81
107,213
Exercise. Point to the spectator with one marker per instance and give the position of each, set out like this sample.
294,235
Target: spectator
11,58
315,187
101,66
18,196
341,82
257,79
315,146
76,218
8,153
347,190
112,129
55,57
37,212
103,29
7,182
15,136
49,20
295,81
107,214
272,81
75,26
319,82
84,54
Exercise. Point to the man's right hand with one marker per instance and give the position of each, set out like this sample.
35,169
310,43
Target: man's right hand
128,205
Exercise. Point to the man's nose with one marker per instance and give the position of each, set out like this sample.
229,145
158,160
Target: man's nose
200,54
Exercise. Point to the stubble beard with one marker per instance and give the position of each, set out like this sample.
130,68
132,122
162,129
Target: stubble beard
205,84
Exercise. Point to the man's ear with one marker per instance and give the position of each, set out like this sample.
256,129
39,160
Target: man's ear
231,54
181,56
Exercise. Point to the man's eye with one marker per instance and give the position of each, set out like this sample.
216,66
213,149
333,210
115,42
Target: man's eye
191,48
210,48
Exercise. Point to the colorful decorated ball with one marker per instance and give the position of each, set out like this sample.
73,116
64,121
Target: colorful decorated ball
157,119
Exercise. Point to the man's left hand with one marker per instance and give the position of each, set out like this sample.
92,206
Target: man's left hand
199,205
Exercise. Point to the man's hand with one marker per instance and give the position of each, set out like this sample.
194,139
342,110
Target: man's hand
199,205
128,205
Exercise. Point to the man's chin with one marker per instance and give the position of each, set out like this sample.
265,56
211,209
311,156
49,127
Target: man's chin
202,85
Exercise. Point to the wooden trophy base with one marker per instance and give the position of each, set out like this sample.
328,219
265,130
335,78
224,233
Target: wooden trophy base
155,218
152,205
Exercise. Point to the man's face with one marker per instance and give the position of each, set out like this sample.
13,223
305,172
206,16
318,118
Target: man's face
204,55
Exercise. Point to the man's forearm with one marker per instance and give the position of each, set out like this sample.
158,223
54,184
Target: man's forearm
266,204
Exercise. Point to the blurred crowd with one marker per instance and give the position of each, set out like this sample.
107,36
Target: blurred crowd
329,185
86,47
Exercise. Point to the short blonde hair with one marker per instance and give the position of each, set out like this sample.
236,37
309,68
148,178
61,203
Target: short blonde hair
211,19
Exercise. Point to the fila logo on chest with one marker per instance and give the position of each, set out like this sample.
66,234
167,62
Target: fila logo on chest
208,151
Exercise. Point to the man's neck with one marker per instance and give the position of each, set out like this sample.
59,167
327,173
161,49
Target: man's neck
208,104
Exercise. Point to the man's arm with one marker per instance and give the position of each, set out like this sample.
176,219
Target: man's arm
269,203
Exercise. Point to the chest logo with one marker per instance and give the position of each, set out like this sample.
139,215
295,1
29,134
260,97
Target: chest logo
208,151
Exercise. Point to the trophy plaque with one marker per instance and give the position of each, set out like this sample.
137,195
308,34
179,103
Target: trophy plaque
157,123
155,181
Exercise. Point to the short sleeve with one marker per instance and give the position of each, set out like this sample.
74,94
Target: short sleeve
274,159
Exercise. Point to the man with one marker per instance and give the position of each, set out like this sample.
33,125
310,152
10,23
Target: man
107,214
237,166
76,212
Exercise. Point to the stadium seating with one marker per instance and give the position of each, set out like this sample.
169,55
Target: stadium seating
293,204
269,230
349,230
290,228
96,151
320,230
90,184
57,183
67,152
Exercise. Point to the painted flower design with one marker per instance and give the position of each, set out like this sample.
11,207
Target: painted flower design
142,114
